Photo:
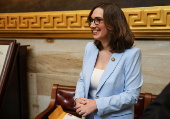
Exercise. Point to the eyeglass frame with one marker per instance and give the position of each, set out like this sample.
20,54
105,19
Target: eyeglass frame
90,21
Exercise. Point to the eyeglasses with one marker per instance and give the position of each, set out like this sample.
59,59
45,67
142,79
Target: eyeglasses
96,21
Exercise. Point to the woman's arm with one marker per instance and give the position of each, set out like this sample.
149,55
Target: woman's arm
80,88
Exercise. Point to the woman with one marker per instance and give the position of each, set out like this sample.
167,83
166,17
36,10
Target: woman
111,76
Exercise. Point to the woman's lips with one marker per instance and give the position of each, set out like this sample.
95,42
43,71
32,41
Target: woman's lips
95,32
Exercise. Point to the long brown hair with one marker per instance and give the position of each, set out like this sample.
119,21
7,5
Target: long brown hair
121,36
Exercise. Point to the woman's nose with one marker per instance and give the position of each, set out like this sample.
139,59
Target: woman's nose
92,25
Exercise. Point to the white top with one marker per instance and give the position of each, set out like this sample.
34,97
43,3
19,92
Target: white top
95,78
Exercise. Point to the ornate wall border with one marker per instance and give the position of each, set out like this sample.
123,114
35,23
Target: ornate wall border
145,22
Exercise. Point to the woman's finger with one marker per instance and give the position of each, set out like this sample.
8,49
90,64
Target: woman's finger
78,110
83,102
81,113
78,106
83,98
85,114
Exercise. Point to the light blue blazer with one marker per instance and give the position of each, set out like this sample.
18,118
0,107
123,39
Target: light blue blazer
119,86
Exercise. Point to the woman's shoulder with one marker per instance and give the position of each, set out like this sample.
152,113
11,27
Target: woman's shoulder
131,55
132,50
90,46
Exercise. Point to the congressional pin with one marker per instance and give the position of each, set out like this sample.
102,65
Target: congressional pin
113,59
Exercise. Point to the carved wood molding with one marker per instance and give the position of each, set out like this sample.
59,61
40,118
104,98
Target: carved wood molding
145,22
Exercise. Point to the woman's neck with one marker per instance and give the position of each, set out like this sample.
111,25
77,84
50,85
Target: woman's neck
105,45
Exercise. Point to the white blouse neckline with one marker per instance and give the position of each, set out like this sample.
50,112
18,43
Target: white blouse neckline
99,69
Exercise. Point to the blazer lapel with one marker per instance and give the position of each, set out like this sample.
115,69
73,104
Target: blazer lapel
89,68
109,69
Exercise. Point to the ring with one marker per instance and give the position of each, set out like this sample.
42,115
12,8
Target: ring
82,113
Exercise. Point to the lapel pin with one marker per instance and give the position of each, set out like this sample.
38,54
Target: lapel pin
113,59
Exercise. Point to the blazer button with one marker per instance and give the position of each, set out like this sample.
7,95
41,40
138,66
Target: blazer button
97,97
113,59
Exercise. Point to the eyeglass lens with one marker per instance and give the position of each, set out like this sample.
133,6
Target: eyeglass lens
96,21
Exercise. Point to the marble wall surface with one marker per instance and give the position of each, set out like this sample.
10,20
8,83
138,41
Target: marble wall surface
59,61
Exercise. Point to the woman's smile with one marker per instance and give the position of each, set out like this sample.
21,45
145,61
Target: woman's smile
96,31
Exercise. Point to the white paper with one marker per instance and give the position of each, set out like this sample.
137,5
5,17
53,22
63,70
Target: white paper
70,116
3,52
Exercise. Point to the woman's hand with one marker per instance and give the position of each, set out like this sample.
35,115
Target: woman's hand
80,101
86,108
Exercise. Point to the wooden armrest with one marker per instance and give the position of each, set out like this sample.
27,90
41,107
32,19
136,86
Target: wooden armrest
51,107
148,99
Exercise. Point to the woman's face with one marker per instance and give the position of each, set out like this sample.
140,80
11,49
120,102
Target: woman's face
100,32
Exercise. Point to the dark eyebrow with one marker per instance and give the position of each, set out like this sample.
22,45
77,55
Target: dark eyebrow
97,18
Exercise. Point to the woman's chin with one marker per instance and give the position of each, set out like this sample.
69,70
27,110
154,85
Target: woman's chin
95,36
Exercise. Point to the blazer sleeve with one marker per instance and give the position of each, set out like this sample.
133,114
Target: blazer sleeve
132,85
80,88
